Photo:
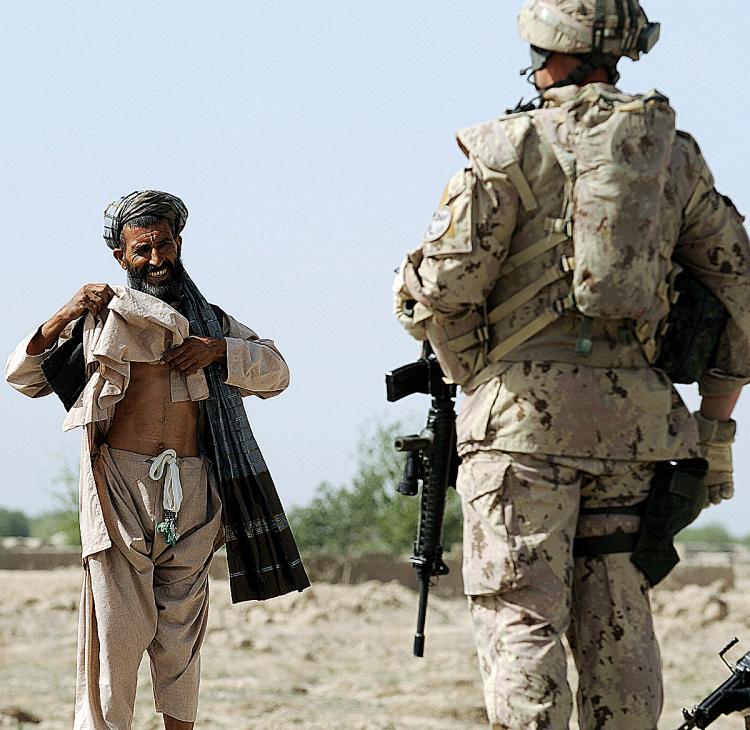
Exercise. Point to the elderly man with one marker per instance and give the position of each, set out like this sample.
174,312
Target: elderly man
169,467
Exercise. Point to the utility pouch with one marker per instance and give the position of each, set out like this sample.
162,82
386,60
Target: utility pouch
677,497
695,325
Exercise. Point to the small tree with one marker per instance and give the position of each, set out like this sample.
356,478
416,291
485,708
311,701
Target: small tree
368,516
68,501
64,519
14,524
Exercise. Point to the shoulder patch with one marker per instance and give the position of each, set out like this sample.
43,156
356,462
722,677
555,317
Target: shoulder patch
440,223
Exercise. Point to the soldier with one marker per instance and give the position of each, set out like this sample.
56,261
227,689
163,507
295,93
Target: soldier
544,284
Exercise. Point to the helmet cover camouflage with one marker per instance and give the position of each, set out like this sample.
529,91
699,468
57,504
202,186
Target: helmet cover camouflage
614,27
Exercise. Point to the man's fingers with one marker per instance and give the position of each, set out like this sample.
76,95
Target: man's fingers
89,304
188,357
94,303
171,355
193,366
101,294
108,294
188,365
180,359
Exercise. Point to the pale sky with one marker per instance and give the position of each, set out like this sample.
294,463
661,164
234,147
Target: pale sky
310,142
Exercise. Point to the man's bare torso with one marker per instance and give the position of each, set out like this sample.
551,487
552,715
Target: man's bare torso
146,420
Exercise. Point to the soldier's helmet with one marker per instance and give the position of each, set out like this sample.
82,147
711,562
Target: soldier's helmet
613,28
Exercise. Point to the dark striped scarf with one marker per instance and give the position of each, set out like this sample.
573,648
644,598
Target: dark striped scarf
262,555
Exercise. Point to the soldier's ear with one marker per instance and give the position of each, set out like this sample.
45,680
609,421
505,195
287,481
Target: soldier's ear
178,241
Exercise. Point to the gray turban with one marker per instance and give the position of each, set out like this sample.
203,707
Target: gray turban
140,203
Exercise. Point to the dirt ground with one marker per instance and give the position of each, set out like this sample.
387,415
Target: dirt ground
334,657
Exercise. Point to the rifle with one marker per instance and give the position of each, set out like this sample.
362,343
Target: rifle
431,459
731,696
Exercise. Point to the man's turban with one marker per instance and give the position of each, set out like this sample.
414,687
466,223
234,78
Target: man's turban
140,203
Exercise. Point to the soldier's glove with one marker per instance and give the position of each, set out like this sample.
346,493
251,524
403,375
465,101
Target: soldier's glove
716,438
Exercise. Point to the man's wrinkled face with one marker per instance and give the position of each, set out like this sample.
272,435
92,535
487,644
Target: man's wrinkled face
151,257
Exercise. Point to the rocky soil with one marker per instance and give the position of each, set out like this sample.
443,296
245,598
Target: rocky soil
333,657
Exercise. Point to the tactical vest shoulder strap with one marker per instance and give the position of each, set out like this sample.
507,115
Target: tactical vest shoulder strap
489,145
475,142
546,122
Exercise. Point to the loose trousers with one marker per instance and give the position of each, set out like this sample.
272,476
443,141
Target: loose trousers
141,595
525,591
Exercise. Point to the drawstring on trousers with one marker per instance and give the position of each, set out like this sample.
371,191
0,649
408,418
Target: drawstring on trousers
172,500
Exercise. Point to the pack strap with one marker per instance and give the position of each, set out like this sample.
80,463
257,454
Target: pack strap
618,542
491,151
521,184
518,300
525,295
553,239
546,127
550,315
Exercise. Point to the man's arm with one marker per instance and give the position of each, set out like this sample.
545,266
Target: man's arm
89,298
714,247
456,266
719,407
253,365
23,370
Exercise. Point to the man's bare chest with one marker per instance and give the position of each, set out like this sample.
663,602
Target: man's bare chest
147,421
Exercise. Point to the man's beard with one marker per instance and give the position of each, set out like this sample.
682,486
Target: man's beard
170,291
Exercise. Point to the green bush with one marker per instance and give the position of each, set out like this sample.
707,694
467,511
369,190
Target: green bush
14,524
713,533
368,516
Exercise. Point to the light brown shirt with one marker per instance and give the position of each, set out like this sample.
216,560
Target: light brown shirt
141,329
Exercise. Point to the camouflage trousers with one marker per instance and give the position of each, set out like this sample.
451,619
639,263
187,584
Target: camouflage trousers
521,513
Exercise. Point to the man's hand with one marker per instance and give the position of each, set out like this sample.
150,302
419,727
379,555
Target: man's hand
89,298
716,438
196,353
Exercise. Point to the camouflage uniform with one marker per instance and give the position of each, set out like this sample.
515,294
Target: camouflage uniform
544,431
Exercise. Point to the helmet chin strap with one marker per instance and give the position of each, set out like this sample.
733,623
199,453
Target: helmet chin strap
591,63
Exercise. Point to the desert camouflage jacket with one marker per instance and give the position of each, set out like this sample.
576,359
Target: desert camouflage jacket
542,397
